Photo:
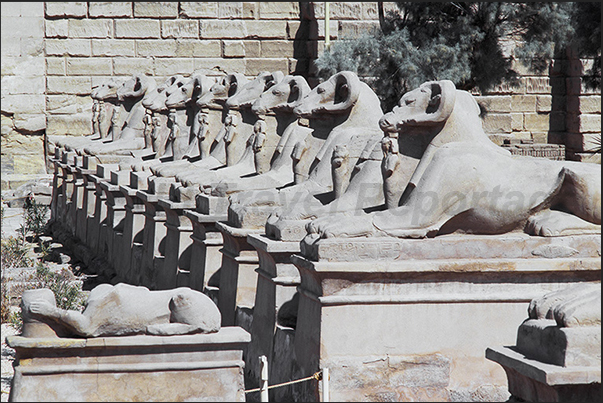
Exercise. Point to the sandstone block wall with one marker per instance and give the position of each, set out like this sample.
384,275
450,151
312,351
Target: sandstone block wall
54,53
88,42
23,88
554,109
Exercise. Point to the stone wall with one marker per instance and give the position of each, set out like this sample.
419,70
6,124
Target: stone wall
556,109
23,88
53,53
88,42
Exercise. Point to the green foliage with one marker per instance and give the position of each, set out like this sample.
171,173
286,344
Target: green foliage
14,252
67,291
65,286
586,17
35,216
5,303
461,42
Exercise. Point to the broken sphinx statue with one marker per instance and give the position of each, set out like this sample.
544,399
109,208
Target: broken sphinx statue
122,309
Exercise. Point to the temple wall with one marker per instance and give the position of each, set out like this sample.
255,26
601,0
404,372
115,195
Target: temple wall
23,89
53,53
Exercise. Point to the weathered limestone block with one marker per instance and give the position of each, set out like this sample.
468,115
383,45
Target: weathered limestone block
110,9
92,368
156,9
584,104
66,9
56,28
495,103
557,356
68,85
442,279
199,9
221,29
113,47
86,28
537,121
278,11
584,123
89,66
137,28
233,48
498,123
179,28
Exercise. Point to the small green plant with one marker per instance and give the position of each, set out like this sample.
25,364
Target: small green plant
5,306
14,253
65,286
67,290
35,216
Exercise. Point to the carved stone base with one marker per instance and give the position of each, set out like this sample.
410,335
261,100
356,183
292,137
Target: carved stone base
238,278
536,381
408,319
200,367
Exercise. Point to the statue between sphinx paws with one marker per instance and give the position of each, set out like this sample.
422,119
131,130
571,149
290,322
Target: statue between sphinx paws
122,309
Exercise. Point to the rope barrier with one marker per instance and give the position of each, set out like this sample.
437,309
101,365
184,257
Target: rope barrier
15,198
12,215
316,375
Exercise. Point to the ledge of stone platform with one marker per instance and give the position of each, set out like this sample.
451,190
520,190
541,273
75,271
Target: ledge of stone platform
173,205
197,367
269,245
212,205
476,264
149,197
108,187
237,232
226,335
204,218
127,190
548,374
85,171
508,246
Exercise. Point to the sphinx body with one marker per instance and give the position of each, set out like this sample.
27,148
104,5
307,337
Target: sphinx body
465,183
123,309
343,114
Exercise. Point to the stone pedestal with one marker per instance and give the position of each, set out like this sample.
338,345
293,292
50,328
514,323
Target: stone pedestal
132,234
57,187
205,252
176,265
96,238
550,363
112,229
200,367
410,319
277,284
76,204
86,211
154,233
238,278
535,381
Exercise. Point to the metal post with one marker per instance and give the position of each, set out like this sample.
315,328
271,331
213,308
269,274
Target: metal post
325,385
263,378
327,26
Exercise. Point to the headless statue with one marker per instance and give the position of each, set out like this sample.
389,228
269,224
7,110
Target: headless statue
123,309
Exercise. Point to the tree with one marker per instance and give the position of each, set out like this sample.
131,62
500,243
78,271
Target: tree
586,18
459,41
